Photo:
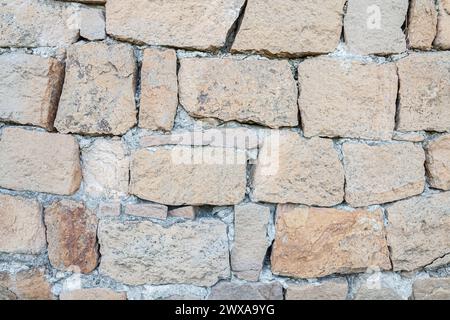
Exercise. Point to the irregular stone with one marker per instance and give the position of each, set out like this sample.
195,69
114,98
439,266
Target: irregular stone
379,286
409,136
5,294
93,294
419,231
382,173
189,252
442,40
305,236
438,162
250,91
191,176
92,24
159,90
168,292
21,227
291,169
432,289
108,209
375,26
439,262
39,161
326,290
29,89
347,98
105,169
98,92
71,236
424,94
246,291
183,212
422,24
146,210
290,27
29,284
177,23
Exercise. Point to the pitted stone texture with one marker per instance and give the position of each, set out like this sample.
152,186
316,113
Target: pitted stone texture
137,253
98,92
291,169
184,175
250,240
39,161
424,93
29,89
422,23
419,231
105,169
21,226
93,294
305,236
30,284
92,24
382,173
290,27
335,289
432,289
347,98
146,210
253,91
442,40
438,162
71,236
246,291
159,90
202,25
375,26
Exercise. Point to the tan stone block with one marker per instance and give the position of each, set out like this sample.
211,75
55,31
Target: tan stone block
92,24
30,284
93,294
438,162
442,40
246,291
432,289
183,212
422,24
325,290
146,210
379,286
108,209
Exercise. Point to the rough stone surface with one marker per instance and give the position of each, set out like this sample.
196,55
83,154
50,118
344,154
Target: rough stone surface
98,92
193,176
107,209
350,99
159,90
146,210
93,294
250,240
105,169
422,24
39,161
382,173
30,284
409,136
290,27
291,169
92,24
305,236
254,91
21,226
29,89
379,286
432,289
438,162
375,26
139,253
424,94
71,236
326,290
419,231
246,291
442,40
5,294
183,212
195,24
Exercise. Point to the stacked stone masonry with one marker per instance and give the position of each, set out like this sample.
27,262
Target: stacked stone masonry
225,149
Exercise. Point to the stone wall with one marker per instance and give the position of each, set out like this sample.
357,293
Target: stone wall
225,149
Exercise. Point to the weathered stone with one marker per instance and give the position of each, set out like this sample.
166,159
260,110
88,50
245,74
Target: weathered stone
147,210
326,290
382,173
108,209
93,294
194,176
71,236
254,91
424,94
432,289
290,27
375,26
419,231
5,294
246,291
350,99
139,253
87,1
380,286
305,236
105,169
422,23
92,24
438,162
29,284
21,227
177,23
98,92
159,90
183,212
409,136
39,161
29,89
291,169
250,240
442,40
